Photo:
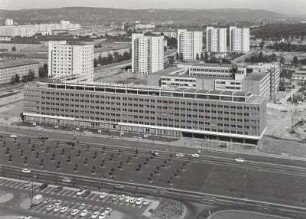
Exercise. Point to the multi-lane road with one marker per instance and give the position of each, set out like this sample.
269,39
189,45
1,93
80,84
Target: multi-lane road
261,184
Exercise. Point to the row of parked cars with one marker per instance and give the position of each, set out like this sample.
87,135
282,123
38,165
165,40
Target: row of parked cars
82,210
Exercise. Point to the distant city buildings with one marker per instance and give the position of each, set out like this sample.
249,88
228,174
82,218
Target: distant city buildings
239,39
9,69
232,116
70,60
189,44
147,54
30,30
216,40
9,22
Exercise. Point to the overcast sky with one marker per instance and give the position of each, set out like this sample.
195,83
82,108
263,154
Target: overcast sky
283,6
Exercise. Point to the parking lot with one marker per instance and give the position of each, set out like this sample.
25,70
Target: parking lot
66,202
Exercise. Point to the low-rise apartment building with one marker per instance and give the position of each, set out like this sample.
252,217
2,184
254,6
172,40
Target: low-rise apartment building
213,77
8,69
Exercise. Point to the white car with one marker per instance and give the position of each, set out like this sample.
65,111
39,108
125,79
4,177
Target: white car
102,216
84,213
239,160
25,170
64,209
127,199
80,192
95,214
103,195
132,200
50,207
66,180
13,136
57,208
145,202
108,211
82,206
139,201
179,155
196,155
75,212
121,198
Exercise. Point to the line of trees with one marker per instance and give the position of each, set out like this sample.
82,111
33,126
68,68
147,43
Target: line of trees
117,57
287,47
261,58
25,78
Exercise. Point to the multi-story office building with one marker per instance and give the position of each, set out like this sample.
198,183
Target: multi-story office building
216,40
69,60
239,39
273,69
189,44
147,54
213,77
9,69
30,30
225,115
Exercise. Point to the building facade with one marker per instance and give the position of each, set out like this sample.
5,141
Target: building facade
189,44
224,115
214,77
66,60
9,69
216,40
147,54
239,39
273,69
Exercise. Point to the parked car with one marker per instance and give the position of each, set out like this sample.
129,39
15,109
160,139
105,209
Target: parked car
86,193
195,155
103,195
84,213
179,155
95,214
64,209
75,212
58,189
43,186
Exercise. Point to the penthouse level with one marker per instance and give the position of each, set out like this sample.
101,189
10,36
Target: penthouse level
223,115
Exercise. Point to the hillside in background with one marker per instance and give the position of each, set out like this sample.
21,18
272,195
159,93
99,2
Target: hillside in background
86,15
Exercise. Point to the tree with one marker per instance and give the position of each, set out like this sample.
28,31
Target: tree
17,78
197,57
12,80
295,61
282,60
22,117
262,44
43,71
177,56
110,58
13,49
31,75
126,56
202,56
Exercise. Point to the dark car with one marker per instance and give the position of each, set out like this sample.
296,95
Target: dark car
43,186
58,189
86,193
